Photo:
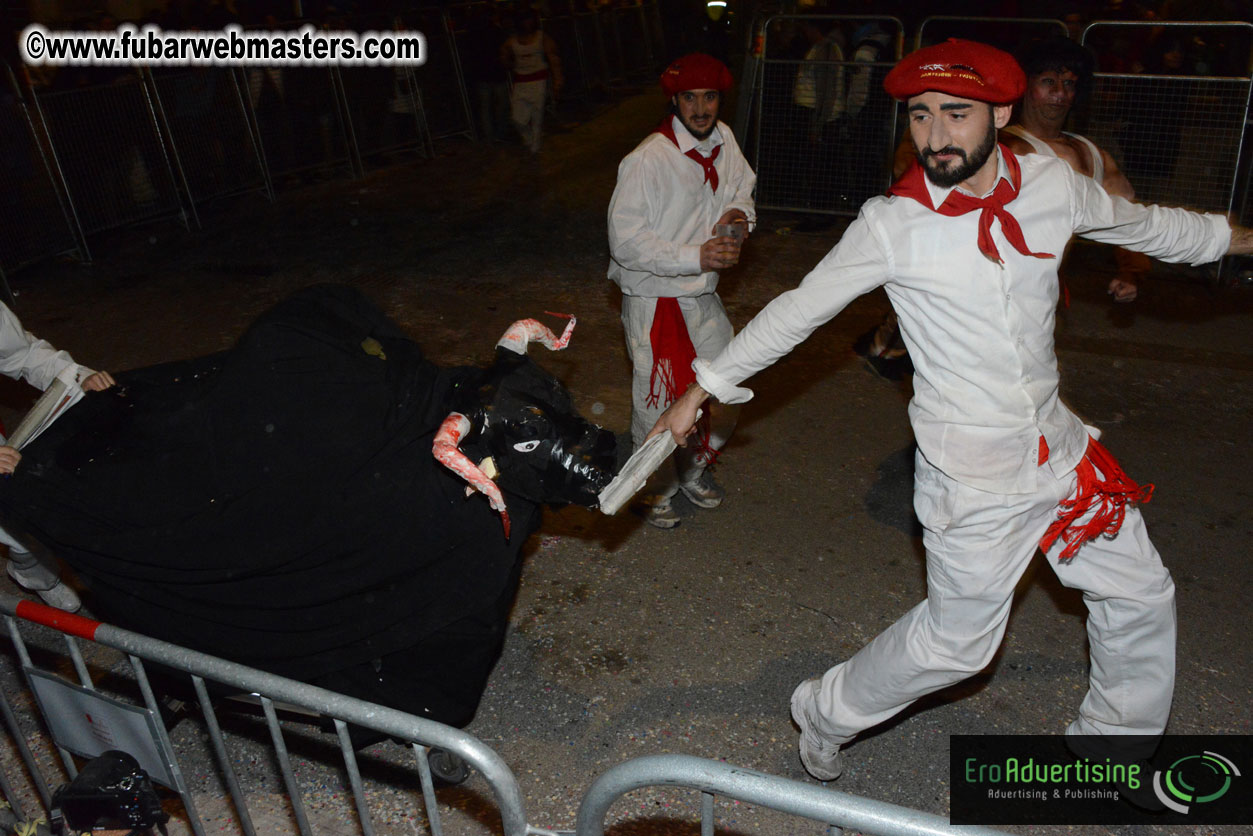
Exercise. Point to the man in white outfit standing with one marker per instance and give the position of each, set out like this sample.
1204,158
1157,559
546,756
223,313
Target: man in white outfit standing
687,178
531,57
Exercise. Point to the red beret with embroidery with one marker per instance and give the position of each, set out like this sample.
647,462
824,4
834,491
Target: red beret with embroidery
966,69
696,71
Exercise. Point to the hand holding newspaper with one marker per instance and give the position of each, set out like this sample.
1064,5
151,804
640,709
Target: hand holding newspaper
60,396
642,464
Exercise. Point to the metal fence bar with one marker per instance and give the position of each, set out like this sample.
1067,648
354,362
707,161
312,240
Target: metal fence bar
224,762
354,778
165,747
80,667
284,763
428,789
785,795
254,131
440,79
345,117
10,796
24,752
168,147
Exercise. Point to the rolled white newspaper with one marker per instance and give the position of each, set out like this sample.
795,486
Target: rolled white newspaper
63,393
642,464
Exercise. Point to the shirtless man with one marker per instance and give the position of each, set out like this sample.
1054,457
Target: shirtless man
1059,71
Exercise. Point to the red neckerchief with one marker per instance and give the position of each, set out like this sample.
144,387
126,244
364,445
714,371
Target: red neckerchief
666,129
913,184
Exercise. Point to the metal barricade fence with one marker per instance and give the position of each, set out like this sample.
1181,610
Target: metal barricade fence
34,220
713,778
385,109
634,42
118,708
113,704
656,31
112,156
611,42
1010,34
1175,131
440,80
209,132
298,118
587,28
825,129
564,32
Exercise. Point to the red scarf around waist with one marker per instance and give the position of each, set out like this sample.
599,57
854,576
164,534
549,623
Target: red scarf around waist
666,129
673,354
1102,485
913,184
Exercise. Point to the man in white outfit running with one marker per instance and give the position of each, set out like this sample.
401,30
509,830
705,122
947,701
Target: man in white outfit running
966,248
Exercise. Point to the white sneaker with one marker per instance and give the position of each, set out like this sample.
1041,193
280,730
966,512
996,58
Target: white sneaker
703,491
58,595
659,512
820,757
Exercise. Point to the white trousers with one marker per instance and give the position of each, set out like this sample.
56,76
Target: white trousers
526,103
710,331
978,546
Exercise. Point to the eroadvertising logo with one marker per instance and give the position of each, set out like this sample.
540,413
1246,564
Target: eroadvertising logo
1053,779
1194,779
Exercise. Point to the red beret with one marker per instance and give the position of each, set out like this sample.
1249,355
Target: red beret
966,69
696,71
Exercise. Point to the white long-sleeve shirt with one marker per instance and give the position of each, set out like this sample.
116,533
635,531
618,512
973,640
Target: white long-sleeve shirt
23,355
980,334
662,210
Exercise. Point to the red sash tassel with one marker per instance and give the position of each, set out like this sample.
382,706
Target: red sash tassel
673,354
1102,485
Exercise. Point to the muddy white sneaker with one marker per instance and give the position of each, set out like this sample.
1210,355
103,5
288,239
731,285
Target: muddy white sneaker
703,491
58,595
659,512
820,757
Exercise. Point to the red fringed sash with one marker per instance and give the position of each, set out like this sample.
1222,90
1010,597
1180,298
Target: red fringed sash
673,354
1102,485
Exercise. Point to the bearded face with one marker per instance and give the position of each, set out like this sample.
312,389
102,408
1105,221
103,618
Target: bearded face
953,137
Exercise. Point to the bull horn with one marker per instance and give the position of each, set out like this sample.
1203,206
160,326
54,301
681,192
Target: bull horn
524,330
447,452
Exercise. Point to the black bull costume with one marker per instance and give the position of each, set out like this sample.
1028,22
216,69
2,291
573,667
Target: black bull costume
279,504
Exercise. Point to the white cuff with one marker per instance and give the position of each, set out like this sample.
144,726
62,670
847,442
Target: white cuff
689,260
723,391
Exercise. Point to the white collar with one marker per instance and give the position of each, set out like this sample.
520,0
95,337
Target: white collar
939,194
687,142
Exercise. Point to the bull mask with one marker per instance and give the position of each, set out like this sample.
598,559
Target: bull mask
524,420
